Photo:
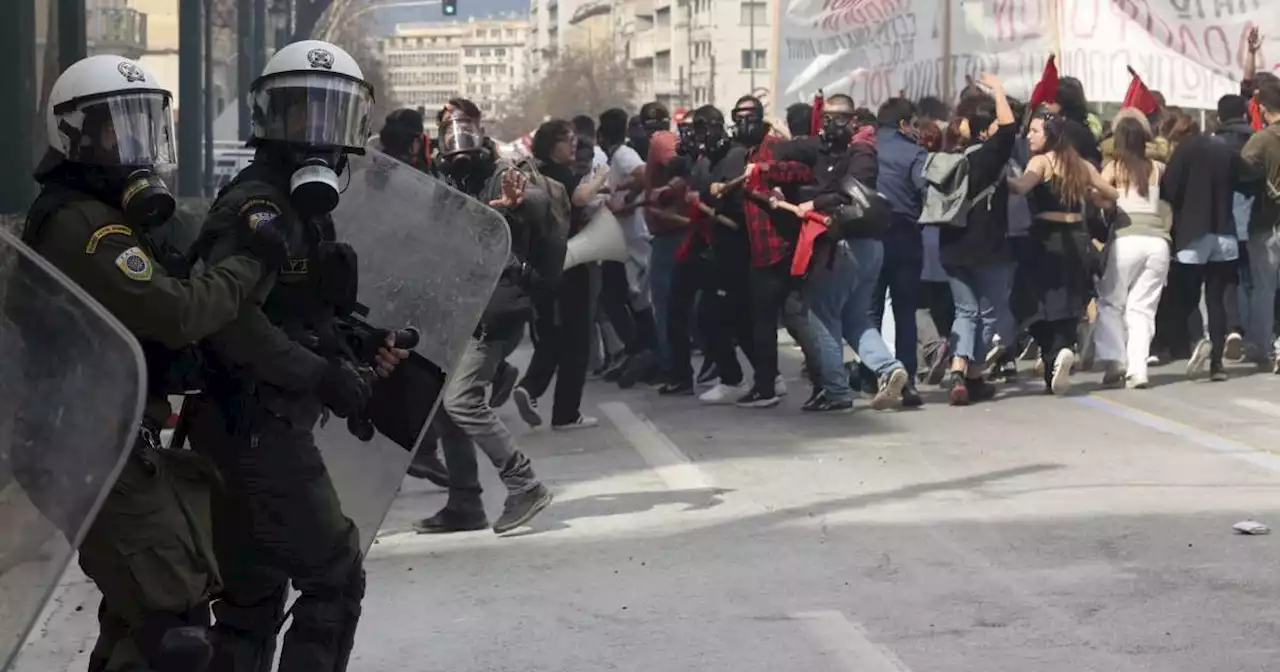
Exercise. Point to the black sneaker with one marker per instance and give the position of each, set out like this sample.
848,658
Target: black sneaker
938,366
754,399
959,392
613,370
911,397
449,520
527,405
503,384
708,374
980,389
1216,373
637,368
1007,372
684,389
820,403
520,509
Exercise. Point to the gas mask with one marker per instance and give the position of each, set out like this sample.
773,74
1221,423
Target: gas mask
313,187
748,122
462,147
145,198
688,143
837,130
712,139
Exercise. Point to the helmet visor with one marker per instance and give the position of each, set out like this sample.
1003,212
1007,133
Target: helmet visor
125,129
312,110
460,135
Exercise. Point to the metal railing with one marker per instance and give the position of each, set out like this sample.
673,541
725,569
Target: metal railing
116,29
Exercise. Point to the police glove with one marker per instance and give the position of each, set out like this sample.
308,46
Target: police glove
266,242
343,389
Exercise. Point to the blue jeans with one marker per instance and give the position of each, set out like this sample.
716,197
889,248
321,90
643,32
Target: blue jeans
981,295
900,275
662,272
840,294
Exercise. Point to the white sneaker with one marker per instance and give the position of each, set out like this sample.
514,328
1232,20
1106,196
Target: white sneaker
780,386
722,394
583,422
1233,349
1137,382
1060,383
1199,357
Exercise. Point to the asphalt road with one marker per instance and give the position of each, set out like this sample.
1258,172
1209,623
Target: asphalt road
1031,533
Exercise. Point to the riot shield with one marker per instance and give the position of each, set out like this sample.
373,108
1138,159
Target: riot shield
429,258
71,394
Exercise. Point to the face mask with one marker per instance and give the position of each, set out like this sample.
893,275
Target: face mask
749,128
145,199
313,187
836,134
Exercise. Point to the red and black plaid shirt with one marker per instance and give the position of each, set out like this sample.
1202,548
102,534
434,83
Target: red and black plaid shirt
768,247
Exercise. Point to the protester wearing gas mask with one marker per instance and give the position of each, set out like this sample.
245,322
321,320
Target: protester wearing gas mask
845,269
267,385
469,162
724,307
110,126
772,234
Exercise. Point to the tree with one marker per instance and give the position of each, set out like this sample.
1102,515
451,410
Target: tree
584,81
354,37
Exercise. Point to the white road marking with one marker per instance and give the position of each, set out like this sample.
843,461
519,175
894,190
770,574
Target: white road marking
847,642
671,464
1259,406
1218,444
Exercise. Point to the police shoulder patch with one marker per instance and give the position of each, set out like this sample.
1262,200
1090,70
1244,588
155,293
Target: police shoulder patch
134,263
258,211
110,229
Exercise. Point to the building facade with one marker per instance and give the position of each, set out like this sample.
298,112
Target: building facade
483,60
682,53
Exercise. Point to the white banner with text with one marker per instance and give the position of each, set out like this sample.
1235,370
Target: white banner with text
1192,51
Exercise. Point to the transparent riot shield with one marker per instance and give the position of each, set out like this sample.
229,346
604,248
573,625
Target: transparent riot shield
71,394
429,258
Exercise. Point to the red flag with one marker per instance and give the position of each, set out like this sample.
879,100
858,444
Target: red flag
1255,113
1046,90
815,119
1139,96
812,225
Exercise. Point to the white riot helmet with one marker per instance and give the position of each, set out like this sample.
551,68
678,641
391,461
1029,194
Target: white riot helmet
110,116
312,99
312,94
109,111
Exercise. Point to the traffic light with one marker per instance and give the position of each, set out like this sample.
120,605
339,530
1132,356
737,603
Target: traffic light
450,7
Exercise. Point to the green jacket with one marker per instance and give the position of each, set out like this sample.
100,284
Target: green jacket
1157,150
88,241
1262,154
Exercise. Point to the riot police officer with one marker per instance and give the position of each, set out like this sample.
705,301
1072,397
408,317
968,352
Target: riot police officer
272,376
149,550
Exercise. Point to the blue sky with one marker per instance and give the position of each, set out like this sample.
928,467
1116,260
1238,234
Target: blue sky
387,18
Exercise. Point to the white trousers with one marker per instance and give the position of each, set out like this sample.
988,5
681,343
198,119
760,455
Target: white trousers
1128,294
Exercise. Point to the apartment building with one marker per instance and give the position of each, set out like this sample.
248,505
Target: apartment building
111,27
481,59
699,52
683,53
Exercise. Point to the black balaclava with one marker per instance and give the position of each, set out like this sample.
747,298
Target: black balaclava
638,137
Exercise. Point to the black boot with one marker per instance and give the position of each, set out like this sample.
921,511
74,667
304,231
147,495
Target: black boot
464,512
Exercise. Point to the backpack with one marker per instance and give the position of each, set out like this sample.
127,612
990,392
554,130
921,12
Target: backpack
560,204
946,176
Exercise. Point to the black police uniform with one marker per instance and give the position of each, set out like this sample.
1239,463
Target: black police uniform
281,519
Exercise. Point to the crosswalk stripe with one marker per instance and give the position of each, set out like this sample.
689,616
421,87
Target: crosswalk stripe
661,453
848,643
